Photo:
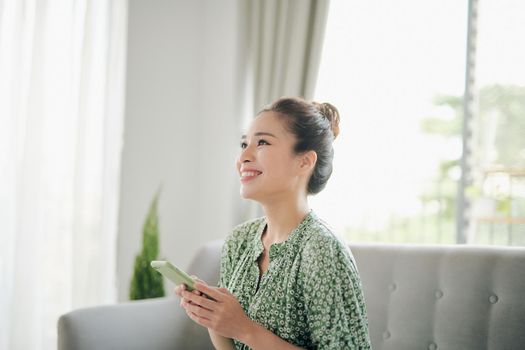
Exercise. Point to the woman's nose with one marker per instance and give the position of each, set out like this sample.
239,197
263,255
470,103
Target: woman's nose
246,155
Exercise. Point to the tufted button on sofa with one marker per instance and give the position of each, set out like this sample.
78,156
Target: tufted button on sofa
417,296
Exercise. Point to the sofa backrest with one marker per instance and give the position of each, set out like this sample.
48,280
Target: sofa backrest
431,297
443,297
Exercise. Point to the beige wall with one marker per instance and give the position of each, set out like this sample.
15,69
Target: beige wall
181,127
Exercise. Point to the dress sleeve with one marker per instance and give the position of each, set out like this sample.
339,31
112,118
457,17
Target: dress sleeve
231,249
226,263
336,314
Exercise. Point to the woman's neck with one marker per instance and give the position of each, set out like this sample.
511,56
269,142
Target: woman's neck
282,218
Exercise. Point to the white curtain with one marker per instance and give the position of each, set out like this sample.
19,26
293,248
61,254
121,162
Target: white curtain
280,51
61,100
282,44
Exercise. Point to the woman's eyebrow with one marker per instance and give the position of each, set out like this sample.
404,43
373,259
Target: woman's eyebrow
260,133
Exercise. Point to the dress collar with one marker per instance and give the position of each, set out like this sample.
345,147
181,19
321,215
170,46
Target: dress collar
278,249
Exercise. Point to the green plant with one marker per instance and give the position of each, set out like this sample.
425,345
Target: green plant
146,282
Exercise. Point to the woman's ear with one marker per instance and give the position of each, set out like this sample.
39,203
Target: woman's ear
307,161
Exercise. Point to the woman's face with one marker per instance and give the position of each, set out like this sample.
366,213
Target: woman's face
267,165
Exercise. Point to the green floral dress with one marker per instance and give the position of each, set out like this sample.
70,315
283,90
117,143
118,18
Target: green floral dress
310,295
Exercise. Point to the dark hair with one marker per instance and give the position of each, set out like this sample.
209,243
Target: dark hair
315,125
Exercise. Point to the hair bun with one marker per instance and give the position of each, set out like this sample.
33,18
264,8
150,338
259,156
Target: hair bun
331,113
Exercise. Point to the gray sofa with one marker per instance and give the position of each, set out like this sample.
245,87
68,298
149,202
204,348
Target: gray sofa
418,297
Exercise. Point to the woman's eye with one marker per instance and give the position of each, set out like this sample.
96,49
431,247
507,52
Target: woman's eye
259,143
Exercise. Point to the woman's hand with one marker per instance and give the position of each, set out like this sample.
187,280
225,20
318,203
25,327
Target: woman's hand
219,342
220,311
222,314
182,287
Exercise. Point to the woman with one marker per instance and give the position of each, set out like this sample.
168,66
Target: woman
286,282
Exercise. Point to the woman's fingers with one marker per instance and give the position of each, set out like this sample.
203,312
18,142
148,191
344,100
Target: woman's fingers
199,320
195,278
198,311
185,302
209,291
182,287
179,289
200,300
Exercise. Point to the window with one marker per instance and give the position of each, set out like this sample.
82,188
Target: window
397,72
497,189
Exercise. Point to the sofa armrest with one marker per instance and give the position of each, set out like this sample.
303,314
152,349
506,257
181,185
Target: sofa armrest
155,324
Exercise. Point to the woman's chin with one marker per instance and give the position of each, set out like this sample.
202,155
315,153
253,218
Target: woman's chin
246,194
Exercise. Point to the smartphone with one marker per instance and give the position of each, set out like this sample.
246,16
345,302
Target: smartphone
173,273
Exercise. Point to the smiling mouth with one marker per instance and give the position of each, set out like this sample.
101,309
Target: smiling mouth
249,175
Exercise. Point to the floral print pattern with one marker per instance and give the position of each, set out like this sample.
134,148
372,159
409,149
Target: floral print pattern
310,295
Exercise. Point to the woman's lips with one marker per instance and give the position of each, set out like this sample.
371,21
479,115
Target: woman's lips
249,175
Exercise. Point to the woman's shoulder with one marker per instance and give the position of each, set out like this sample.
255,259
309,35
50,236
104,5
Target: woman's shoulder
320,233
321,240
324,253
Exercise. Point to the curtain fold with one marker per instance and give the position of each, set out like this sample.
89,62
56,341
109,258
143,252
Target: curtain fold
280,51
283,45
61,100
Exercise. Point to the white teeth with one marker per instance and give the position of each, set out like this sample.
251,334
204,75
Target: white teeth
249,173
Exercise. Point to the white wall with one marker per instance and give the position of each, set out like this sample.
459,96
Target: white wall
181,127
